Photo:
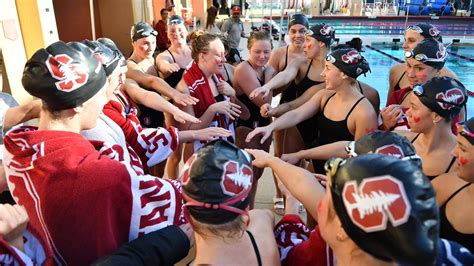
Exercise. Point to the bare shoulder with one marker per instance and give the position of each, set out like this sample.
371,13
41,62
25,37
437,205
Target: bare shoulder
445,185
164,57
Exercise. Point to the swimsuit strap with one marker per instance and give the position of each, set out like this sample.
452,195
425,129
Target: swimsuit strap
353,107
413,140
174,60
324,106
255,248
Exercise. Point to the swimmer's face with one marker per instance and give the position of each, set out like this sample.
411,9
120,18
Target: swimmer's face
332,76
311,47
412,38
213,61
297,34
116,81
177,33
419,73
145,47
464,153
260,52
419,116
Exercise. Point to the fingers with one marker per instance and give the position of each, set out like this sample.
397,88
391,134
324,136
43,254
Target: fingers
185,99
251,135
265,137
255,93
174,67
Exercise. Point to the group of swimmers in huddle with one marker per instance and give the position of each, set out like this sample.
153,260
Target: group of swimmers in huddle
380,186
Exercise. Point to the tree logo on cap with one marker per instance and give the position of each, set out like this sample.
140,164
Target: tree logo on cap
236,178
71,76
392,150
454,95
377,200
326,30
351,57
434,32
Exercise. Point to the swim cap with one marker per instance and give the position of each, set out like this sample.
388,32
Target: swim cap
175,19
216,182
426,30
110,59
298,19
387,207
142,30
322,32
384,142
467,130
442,95
349,61
429,52
63,75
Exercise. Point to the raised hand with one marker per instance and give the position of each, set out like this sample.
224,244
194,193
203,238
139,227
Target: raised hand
266,110
261,157
225,89
264,91
291,158
228,108
390,115
183,117
184,99
211,133
265,132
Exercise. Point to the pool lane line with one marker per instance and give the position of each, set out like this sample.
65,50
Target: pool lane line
461,56
384,53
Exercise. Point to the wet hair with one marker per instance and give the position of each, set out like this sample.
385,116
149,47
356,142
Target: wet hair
259,36
211,16
231,229
201,44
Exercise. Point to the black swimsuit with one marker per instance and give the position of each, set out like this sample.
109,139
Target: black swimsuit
150,118
286,95
255,248
447,230
431,177
255,120
307,128
174,78
329,131
229,80
397,86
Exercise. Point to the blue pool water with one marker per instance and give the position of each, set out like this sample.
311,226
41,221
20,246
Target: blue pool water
381,64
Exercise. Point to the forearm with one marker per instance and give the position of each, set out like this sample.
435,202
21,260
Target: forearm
162,87
325,152
186,136
279,80
156,102
287,120
300,182
206,119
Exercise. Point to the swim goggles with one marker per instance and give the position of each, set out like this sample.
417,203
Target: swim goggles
419,91
175,21
464,131
332,165
330,58
425,58
414,28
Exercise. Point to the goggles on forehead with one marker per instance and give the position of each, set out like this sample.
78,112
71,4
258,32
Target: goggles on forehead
424,57
330,58
175,21
419,91
332,165
414,28
465,131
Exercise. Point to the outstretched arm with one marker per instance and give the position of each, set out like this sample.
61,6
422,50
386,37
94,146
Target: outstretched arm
158,84
156,102
300,182
324,152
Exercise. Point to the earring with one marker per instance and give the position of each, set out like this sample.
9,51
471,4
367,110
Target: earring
339,237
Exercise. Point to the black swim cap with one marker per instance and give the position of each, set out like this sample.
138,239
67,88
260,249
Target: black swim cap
349,61
387,207
322,32
429,52
427,30
442,95
300,19
110,59
216,182
468,130
142,30
63,75
384,142
112,46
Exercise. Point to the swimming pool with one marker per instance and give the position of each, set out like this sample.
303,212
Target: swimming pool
380,65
